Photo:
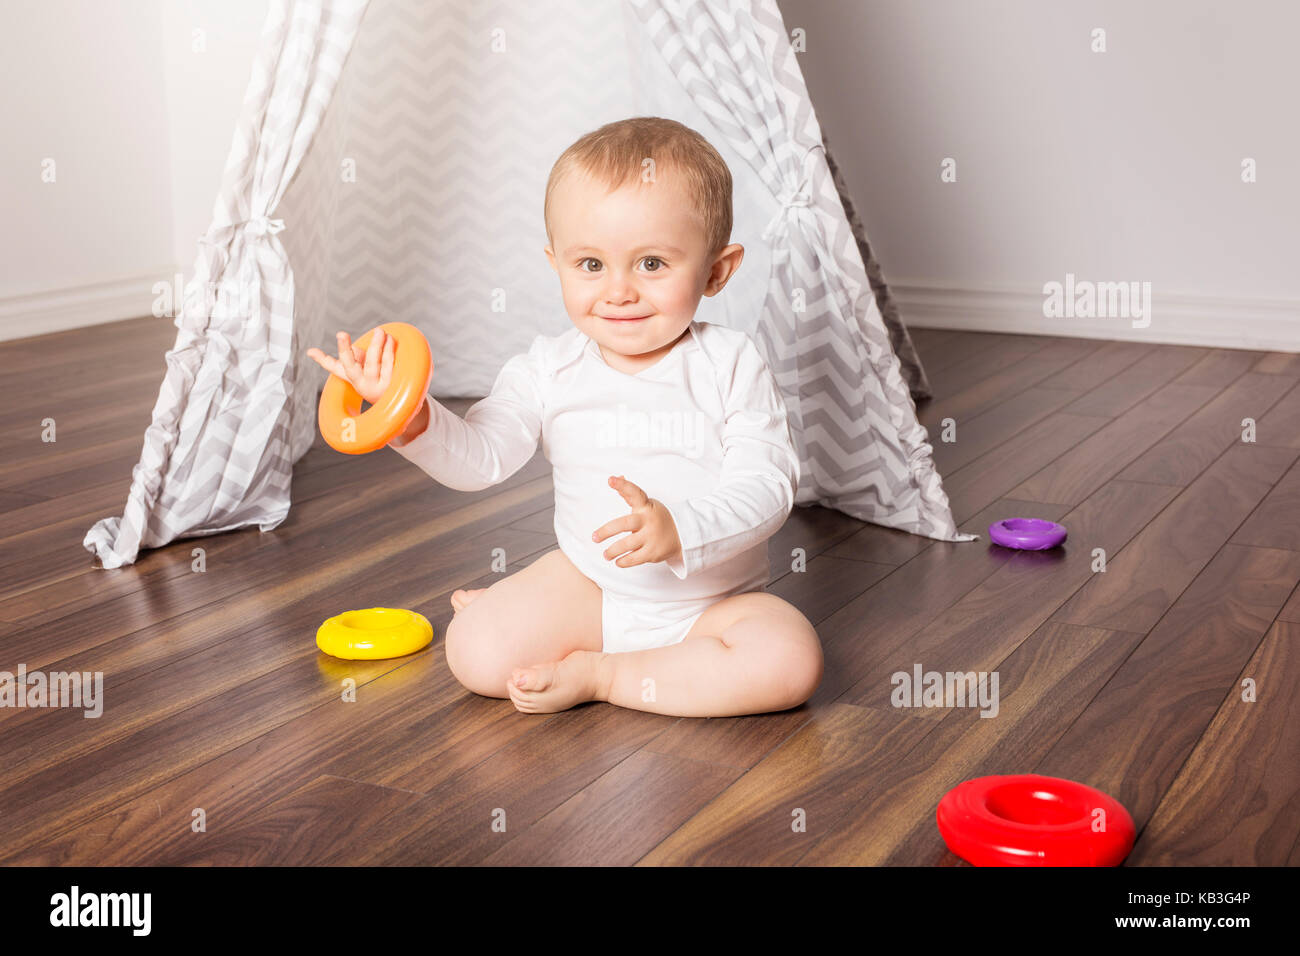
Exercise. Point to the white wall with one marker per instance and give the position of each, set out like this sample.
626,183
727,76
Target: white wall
81,84
1115,166
1118,166
204,93
138,125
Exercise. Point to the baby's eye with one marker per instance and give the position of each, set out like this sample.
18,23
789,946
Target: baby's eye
583,262
658,263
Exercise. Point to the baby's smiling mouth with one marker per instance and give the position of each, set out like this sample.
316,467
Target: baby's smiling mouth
620,318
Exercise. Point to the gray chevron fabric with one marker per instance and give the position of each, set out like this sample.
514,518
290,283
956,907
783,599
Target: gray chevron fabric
409,186
425,195
899,339
861,447
219,451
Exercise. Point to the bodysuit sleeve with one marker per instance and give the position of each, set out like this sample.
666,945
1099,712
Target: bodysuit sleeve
497,436
760,474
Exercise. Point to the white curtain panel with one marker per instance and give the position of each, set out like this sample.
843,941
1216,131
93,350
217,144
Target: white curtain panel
219,451
409,186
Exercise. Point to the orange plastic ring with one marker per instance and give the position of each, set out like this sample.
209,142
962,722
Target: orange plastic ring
346,428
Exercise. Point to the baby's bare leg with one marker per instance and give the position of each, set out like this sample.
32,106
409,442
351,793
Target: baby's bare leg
543,612
748,654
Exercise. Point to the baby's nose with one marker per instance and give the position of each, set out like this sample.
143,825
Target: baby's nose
620,290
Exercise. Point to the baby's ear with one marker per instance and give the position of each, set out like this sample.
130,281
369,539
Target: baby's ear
724,267
550,256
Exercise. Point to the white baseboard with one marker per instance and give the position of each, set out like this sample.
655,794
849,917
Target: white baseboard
1176,318
57,310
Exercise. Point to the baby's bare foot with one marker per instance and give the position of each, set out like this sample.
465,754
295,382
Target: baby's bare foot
559,685
460,598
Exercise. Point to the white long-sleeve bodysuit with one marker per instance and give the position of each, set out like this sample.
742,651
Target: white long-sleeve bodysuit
703,430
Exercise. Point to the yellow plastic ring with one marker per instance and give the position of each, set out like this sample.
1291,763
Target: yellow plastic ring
376,633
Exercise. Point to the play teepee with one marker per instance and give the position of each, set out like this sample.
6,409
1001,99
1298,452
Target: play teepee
389,164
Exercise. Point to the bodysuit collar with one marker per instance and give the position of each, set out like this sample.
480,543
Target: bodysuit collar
691,340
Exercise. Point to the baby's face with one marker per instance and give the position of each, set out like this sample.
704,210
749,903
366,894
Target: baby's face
633,263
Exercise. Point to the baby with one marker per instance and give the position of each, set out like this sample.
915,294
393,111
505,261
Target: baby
671,455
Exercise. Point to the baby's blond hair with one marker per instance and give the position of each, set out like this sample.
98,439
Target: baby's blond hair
615,155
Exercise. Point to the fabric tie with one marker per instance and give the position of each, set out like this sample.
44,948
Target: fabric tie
258,226
262,226
797,198
793,200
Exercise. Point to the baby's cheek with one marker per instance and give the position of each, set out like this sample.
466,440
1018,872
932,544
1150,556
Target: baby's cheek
682,300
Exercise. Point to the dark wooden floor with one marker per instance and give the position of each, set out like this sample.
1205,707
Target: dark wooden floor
216,698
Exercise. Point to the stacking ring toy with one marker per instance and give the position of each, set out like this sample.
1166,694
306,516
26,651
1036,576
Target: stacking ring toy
377,633
1027,534
350,430
1032,820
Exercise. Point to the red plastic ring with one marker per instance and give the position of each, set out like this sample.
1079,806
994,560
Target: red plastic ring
1033,820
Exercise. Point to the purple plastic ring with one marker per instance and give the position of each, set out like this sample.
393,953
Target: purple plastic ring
1027,534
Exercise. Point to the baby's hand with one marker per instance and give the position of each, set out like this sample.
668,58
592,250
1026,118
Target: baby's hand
369,372
654,533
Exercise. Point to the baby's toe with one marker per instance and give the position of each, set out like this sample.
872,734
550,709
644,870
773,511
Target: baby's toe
534,679
462,598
